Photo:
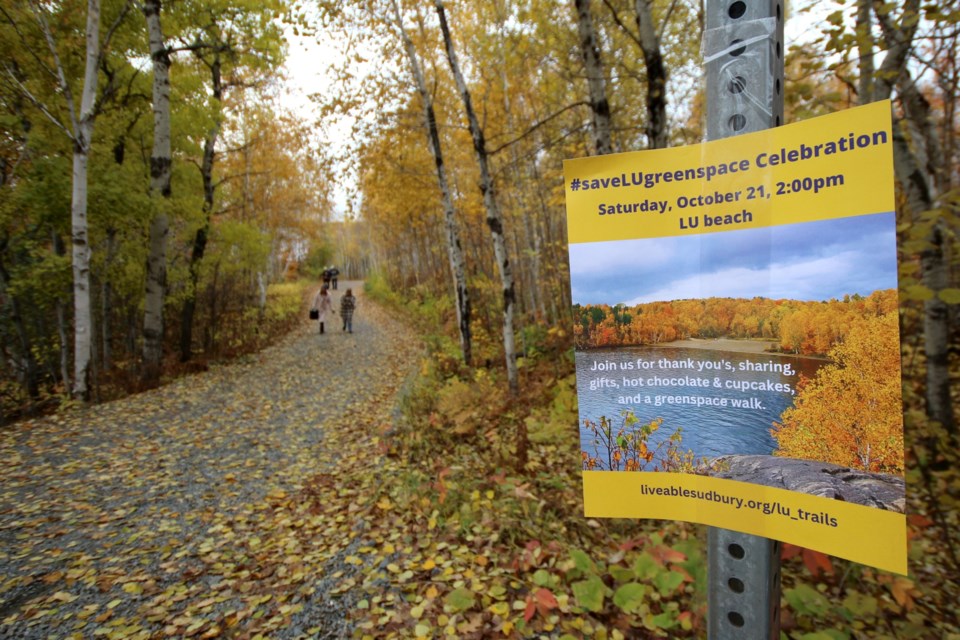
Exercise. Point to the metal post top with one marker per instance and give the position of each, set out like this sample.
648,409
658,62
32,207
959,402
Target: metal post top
743,65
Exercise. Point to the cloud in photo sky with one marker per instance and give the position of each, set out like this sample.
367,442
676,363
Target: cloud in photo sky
809,261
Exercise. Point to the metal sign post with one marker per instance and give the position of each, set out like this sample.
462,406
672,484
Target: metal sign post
743,59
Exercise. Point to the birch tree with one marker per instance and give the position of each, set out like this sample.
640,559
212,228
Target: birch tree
160,171
454,248
494,219
79,127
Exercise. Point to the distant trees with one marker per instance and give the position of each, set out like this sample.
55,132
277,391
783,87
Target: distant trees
797,327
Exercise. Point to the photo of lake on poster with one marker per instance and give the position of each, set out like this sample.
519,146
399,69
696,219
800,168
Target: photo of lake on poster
771,341
737,394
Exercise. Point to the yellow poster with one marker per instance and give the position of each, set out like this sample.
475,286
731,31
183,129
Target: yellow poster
737,344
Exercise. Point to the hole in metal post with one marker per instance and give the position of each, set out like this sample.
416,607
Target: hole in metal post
777,84
778,13
739,50
735,619
735,584
736,550
737,122
778,121
738,84
737,9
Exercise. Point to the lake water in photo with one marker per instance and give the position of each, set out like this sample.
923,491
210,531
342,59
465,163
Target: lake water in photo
739,395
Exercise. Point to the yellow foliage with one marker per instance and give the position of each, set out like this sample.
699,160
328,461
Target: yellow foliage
851,412
468,408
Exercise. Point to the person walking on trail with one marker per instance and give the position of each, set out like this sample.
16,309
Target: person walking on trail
347,304
323,304
326,277
334,274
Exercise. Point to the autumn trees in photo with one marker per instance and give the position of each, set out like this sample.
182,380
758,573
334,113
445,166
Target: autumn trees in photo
850,413
791,326
550,82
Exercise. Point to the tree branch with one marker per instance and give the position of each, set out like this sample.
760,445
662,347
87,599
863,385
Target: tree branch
36,102
61,76
625,28
537,125
33,54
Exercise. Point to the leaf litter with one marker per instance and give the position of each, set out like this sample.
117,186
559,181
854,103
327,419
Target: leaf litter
183,511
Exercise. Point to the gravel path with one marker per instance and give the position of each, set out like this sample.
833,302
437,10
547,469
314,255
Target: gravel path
178,512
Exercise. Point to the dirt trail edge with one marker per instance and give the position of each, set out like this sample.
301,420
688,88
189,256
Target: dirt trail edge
215,506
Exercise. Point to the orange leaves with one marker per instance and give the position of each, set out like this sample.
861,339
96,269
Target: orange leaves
815,562
440,486
904,591
665,554
851,413
542,600
800,327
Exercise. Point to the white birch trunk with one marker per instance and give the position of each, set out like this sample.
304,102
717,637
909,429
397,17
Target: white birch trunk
83,132
494,219
160,169
80,132
454,247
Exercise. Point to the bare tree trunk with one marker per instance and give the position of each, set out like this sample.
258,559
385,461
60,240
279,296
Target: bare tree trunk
83,318
160,170
656,76
200,237
82,134
600,107
494,219
454,247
